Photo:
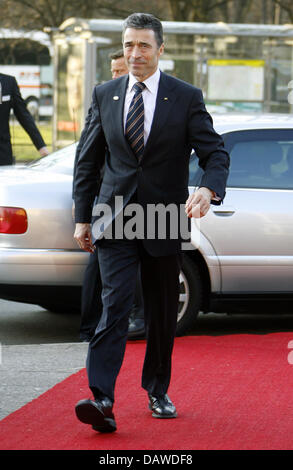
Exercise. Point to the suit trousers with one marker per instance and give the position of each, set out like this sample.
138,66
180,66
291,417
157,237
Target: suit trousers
119,261
91,302
91,298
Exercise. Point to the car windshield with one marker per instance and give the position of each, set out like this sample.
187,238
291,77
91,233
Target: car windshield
61,161
260,158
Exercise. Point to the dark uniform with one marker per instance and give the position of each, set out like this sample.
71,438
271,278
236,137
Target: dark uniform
10,98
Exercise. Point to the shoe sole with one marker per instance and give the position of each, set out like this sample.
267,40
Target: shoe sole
154,415
88,412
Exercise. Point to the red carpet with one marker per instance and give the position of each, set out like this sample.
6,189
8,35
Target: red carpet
231,392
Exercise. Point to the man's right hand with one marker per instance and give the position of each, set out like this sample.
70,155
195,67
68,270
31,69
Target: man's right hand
43,151
83,237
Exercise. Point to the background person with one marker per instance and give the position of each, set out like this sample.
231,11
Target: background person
118,65
11,99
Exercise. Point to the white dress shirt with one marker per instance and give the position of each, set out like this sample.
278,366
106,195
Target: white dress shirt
149,96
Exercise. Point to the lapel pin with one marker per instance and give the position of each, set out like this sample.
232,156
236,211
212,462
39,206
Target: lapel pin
115,98
166,98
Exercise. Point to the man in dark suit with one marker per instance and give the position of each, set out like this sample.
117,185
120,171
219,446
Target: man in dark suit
11,99
91,302
149,122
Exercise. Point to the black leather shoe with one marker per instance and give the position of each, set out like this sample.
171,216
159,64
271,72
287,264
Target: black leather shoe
98,413
136,329
162,407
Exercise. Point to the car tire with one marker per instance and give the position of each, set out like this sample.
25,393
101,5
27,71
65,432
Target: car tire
190,298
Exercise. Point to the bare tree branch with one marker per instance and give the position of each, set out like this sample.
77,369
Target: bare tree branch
287,6
36,14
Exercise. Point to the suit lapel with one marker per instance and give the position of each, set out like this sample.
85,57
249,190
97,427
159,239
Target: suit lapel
165,102
117,105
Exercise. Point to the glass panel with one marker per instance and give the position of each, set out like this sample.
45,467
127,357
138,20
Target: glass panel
279,60
69,92
179,58
110,43
235,73
261,159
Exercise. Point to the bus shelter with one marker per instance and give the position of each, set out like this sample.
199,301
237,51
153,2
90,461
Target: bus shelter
239,67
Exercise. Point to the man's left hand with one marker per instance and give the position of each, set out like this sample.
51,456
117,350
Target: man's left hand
198,203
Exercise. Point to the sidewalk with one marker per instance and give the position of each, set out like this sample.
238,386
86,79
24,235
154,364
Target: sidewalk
27,371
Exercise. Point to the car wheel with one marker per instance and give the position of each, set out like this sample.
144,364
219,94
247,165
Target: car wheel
190,296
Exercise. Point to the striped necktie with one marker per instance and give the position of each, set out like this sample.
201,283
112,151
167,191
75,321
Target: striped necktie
134,130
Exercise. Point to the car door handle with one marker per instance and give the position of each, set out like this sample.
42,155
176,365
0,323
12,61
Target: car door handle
224,211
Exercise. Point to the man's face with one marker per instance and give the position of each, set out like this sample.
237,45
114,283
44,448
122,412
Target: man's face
118,67
141,52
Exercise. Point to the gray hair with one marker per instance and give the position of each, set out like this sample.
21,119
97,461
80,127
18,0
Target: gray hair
145,21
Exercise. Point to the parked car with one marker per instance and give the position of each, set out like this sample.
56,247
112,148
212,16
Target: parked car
241,253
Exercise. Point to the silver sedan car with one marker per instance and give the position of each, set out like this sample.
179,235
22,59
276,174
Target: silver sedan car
241,254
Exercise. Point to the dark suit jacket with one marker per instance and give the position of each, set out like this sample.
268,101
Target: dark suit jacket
180,123
78,150
80,144
11,99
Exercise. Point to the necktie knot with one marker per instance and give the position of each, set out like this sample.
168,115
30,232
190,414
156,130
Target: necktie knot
139,87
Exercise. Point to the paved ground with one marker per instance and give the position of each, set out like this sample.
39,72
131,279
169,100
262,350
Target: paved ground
39,348
29,370
30,324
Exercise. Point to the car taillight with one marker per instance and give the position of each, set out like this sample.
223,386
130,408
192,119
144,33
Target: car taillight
13,220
